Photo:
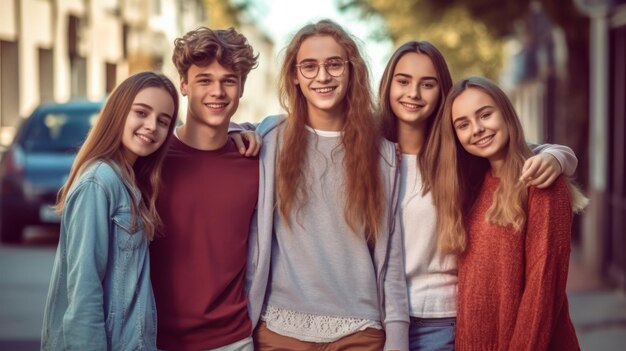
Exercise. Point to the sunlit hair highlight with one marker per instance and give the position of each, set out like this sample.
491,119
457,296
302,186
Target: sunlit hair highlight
202,46
104,143
360,136
430,151
461,174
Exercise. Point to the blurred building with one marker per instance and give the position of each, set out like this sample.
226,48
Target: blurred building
534,78
56,50
605,227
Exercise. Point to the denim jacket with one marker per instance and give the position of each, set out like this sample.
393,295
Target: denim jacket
100,297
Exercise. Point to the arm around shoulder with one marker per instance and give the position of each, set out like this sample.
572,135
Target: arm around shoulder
563,154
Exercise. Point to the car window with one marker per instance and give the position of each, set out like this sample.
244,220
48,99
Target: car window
59,131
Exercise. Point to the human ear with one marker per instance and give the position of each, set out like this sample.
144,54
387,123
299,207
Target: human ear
183,86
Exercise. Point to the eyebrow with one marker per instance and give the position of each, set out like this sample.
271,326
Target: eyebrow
405,75
326,59
207,75
479,111
146,106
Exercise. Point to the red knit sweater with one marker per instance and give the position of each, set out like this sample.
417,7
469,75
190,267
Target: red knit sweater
512,285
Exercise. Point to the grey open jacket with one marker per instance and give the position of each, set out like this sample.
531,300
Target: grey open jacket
388,254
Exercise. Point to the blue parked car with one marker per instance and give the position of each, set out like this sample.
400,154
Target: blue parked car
37,164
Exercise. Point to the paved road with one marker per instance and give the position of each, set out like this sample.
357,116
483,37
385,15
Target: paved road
598,312
24,277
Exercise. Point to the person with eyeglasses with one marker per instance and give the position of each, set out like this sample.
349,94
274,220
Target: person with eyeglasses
325,265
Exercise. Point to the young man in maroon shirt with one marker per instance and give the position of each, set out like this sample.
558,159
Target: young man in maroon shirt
207,201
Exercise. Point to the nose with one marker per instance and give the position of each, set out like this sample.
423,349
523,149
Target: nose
478,128
414,92
322,74
218,90
150,123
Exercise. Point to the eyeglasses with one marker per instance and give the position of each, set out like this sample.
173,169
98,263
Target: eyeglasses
334,68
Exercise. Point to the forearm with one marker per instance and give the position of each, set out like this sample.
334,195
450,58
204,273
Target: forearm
563,154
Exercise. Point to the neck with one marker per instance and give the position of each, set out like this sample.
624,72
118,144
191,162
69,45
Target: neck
496,167
411,137
203,137
325,120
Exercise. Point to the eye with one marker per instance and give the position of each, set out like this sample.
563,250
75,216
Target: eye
230,81
308,66
164,121
402,81
461,125
141,113
334,64
428,85
485,115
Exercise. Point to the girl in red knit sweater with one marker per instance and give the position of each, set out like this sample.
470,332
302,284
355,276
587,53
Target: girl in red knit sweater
514,240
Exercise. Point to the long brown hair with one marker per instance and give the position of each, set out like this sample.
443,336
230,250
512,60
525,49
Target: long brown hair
460,174
360,136
104,142
428,157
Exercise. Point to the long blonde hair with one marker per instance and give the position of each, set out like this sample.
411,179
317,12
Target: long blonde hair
461,173
104,142
360,136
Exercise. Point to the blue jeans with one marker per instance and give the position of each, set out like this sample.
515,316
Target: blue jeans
432,334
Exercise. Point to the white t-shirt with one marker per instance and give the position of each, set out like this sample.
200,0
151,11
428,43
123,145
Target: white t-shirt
431,277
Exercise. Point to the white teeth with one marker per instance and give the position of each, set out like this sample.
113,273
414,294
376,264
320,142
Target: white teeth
484,140
215,105
412,106
144,138
324,90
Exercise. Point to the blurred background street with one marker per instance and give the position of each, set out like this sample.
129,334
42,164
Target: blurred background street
563,64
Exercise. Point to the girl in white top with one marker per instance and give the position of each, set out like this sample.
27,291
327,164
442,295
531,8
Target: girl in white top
412,91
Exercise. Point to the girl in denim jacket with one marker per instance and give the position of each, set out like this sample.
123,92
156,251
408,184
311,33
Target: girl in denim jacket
100,296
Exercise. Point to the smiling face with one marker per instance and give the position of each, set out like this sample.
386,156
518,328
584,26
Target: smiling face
213,93
480,126
414,92
325,94
147,123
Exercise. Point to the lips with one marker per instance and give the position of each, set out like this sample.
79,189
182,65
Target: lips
216,106
323,90
146,139
484,140
411,106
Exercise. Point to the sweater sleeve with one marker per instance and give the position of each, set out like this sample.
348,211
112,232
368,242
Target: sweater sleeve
547,261
563,154
87,252
241,127
396,320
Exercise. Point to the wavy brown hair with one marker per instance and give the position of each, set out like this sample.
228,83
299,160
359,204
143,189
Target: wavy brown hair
104,143
360,136
461,174
428,157
201,46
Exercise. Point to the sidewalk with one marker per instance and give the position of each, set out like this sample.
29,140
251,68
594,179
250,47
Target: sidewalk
597,310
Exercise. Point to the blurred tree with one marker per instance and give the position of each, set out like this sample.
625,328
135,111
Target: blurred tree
468,45
225,13
470,32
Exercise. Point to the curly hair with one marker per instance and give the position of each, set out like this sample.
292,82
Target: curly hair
203,45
